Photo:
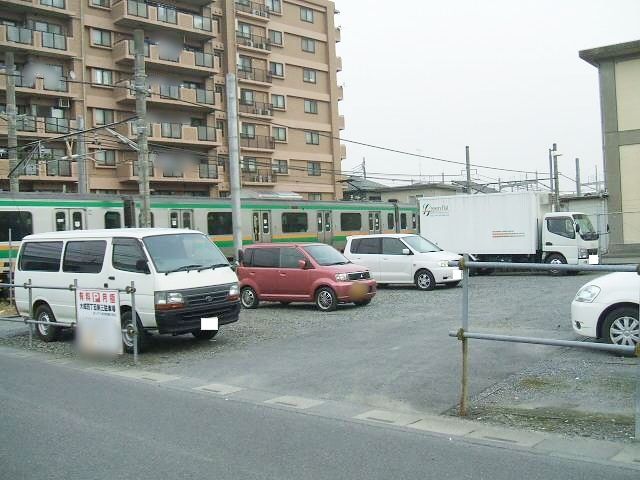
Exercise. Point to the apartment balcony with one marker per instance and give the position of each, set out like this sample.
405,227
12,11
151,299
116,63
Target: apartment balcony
44,170
198,63
39,86
256,109
34,42
338,35
255,76
341,124
254,10
343,151
59,8
340,92
138,14
253,43
339,64
257,177
176,134
172,95
188,172
29,126
258,143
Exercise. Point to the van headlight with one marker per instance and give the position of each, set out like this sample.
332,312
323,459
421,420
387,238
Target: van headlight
583,253
234,292
587,294
168,300
342,277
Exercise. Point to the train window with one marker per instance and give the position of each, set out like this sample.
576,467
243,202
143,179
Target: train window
219,223
350,222
84,257
370,221
265,223
403,221
391,221
186,220
77,220
61,221
41,256
20,224
413,221
294,222
173,220
112,220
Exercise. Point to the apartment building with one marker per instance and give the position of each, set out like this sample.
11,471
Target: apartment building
74,58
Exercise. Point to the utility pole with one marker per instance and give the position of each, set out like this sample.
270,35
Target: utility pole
12,134
468,169
556,178
234,163
364,168
578,183
83,184
140,79
551,170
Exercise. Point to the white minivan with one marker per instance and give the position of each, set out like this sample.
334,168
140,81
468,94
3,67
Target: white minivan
402,258
180,278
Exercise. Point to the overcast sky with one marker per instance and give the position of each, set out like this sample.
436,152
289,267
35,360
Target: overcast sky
502,76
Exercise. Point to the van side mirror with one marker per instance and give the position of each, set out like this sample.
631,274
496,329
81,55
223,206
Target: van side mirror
302,264
143,266
577,228
406,251
607,228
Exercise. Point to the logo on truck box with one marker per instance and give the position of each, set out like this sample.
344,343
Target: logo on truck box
435,210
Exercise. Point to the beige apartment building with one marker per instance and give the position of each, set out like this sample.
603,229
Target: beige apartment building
74,58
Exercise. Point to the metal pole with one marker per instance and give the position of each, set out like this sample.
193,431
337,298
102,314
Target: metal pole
141,112
637,402
134,321
30,295
556,180
464,394
11,289
12,132
82,157
234,162
578,183
550,171
468,160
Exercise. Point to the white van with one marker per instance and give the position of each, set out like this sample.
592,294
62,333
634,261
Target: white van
180,277
402,258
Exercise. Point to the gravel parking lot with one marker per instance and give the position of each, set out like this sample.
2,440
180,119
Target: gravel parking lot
395,354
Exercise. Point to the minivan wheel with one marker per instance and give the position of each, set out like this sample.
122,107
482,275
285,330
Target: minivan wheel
46,333
622,327
204,334
128,334
249,297
326,299
425,280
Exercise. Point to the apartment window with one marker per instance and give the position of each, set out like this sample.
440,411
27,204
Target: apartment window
102,116
306,14
101,3
105,158
247,97
275,37
244,30
248,164
244,64
280,167
308,45
312,138
53,3
278,101
315,196
167,14
102,77
280,134
313,169
310,106
220,126
276,69
274,5
101,38
248,130
309,75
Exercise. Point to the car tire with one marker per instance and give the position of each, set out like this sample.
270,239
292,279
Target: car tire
127,338
249,297
622,327
363,303
424,280
326,299
556,259
204,334
46,333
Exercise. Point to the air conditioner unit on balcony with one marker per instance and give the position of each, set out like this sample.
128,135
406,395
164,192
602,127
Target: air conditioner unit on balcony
63,102
257,12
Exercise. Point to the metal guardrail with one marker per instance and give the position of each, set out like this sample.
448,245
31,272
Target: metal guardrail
463,334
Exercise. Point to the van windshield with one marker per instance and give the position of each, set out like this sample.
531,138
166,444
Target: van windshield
420,244
325,255
183,252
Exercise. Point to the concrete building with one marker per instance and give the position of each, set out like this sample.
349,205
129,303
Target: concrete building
75,58
619,75
373,191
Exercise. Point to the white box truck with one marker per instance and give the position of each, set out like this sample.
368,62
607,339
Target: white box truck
509,227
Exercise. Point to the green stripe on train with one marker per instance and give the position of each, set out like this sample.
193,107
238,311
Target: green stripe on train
54,203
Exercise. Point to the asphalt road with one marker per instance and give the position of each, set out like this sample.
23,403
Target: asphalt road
61,423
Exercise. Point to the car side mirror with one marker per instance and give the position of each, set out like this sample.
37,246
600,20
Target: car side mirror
302,264
143,266
406,251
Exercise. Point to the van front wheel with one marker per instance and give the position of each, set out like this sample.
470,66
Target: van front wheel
46,333
128,333
425,280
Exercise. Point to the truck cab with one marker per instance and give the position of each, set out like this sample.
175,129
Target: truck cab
569,237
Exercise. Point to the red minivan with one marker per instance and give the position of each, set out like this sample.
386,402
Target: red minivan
302,272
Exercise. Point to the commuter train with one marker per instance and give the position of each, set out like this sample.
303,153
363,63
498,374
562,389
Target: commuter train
263,220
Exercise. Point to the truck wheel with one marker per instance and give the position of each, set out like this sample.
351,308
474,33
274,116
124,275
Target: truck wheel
556,259
249,297
622,327
326,299
424,280
127,333
204,334
46,333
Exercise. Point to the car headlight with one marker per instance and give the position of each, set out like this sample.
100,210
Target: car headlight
583,253
587,294
234,292
444,263
168,300
342,277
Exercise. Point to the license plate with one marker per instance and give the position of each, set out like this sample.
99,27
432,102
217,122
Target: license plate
457,274
594,260
209,323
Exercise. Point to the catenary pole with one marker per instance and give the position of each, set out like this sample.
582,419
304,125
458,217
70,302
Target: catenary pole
234,163
468,158
140,79
83,184
12,119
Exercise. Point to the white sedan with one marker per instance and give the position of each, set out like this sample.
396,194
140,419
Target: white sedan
607,308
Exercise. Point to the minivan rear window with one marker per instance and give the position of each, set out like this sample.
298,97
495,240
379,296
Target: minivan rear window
370,246
40,256
84,257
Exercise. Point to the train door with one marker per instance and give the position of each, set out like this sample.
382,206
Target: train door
181,219
325,228
261,224
374,222
69,219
